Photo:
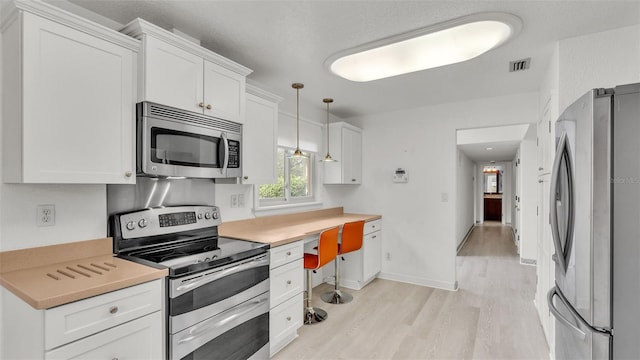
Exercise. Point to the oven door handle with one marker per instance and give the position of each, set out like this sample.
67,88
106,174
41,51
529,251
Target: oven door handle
230,316
250,264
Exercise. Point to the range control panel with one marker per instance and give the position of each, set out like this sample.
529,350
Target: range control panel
166,220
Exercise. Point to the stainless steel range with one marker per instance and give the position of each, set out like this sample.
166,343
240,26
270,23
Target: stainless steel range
218,288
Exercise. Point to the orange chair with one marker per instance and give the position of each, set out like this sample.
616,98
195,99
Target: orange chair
327,251
351,241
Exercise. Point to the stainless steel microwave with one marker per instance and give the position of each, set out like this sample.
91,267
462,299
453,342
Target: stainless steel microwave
178,143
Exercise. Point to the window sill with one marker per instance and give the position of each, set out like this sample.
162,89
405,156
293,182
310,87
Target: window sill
264,210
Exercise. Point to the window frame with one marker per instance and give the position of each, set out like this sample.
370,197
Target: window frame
287,199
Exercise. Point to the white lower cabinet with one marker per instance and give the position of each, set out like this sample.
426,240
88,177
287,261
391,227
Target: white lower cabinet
286,294
123,324
139,339
362,266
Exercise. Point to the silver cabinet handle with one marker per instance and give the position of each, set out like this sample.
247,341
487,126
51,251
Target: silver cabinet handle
374,236
113,309
540,168
353,179
128,173
201,105
288,253
208,106
246,178
288,282
288,318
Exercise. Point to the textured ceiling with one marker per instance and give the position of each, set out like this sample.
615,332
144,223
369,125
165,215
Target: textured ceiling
288,41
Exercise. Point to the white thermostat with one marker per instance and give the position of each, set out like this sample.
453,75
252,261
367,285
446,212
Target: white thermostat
400,176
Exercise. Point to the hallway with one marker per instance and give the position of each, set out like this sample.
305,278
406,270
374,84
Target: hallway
491,316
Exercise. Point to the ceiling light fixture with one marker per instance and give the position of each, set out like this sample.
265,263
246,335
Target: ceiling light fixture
328,157
298,153
442,44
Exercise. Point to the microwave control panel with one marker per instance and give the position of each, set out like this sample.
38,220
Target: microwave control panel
234,154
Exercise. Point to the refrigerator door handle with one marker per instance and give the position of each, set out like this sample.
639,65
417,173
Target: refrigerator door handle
562,151
553,292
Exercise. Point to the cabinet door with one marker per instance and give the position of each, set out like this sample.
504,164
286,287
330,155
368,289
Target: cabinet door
224,93
138,339
173,76
372,255
352,155
78,106
259,135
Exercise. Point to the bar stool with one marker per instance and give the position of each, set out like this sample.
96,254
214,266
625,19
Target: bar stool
327,251
351,241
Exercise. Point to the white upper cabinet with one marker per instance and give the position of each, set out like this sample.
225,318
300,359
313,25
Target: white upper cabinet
69,98
346,147
179,73
260,137
180,87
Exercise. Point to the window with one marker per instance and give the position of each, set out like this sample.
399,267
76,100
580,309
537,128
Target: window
294,180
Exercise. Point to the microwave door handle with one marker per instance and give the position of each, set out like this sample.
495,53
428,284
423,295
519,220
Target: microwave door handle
225,153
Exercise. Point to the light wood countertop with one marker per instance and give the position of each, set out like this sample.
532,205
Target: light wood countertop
282,229
49,276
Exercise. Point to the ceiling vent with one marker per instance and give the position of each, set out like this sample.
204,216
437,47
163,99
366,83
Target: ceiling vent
519,65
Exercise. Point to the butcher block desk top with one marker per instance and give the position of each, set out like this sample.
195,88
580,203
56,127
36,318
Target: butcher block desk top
54,275
283,229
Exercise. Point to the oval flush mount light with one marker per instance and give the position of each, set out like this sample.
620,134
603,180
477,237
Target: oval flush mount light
438,45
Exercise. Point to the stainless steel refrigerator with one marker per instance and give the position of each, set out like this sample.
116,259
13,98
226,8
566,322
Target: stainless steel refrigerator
595,225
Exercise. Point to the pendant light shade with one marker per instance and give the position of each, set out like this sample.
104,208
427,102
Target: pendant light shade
298,153
328,157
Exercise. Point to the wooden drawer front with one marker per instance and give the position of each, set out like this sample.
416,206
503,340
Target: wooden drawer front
286,281
139,339
372,226
284,320
281,255
67,323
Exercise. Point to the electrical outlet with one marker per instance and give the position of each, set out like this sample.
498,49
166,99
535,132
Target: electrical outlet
46,215
240,200
234,201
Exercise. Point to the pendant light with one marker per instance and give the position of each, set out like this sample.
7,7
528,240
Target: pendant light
298,153
328,157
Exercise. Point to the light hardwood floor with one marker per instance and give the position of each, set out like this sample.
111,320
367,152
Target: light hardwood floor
491,316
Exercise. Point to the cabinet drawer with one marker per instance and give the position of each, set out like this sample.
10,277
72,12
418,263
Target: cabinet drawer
139,339
284,321
67,323
372,226
286,281
281,255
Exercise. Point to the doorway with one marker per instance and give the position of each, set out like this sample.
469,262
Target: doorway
492,192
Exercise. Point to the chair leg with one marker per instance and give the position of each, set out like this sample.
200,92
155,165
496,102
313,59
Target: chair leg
312,315
337,296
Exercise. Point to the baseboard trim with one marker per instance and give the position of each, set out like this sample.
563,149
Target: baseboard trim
420,281
525,261
466,237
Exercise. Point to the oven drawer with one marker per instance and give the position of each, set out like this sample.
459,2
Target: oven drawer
281,255
286,281
238,333
285,319
67,323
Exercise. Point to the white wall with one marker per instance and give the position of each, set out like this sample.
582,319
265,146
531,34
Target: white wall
419,218
599,60
464,199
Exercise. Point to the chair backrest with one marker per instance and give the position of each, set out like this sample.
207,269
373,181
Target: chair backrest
352,233
327,246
